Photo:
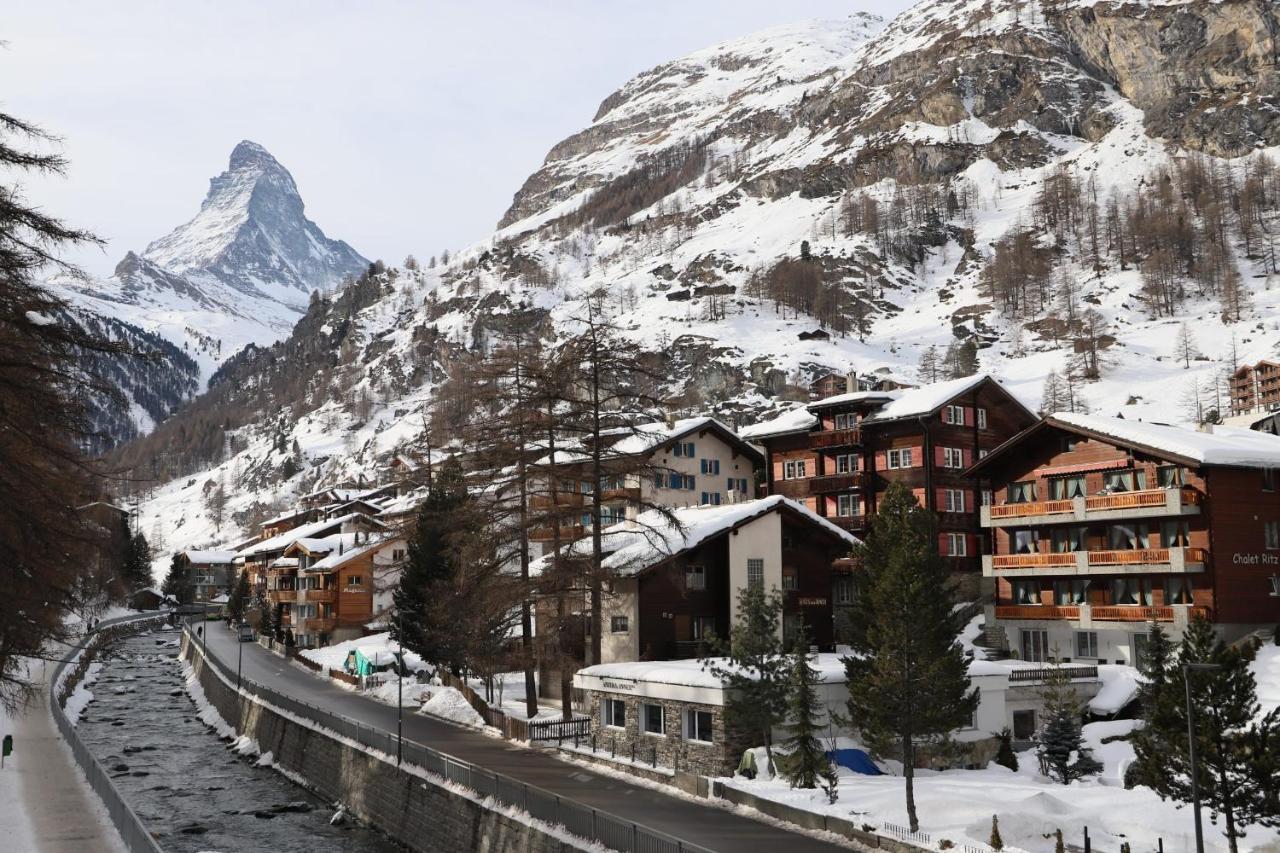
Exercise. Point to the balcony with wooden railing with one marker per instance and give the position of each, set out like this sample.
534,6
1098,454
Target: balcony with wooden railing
568,533
563,499
835,482
1036,611
320,625
1099,612
317,596
283,596
1180,560
1139,504
836,438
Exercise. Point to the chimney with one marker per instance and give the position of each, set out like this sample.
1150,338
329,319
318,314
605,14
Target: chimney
851,382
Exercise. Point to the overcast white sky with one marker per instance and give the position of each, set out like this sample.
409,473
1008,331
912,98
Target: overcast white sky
407,127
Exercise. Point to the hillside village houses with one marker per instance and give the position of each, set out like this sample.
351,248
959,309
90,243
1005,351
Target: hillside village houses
1020,501
210,573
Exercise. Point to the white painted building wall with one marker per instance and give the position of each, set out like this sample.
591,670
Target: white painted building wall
758,539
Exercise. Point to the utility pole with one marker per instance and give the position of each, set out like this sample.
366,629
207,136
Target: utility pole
1187,669
239,657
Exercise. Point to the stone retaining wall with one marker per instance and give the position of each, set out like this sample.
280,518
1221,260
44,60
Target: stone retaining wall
417,812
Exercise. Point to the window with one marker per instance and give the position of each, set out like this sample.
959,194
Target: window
1086,644
982,419
846,505
1024,725
1025,592
697,725
588,487
1073,592
686,449
1020,493
1065,488
846,421
987,498
953,500
618,625
1035,647
793,469
688,481
755,573
1271,535
957,545
846,463
1024,541
1128,537
953,415
703,627
711,466
842,590
1177,590
651,720
1174,534
1067,539
398,554
900,458
1115,482
710,499
952,457
1268,479
982,453
355,581
695,577
1169,476
789,582
1135,591
614,713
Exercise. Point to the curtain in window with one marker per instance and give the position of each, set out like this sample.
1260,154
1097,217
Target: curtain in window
1131,591
1024,542
1126,537
1169,476
1021,492
1177,590
1064,488
1118,481
1174,534
1026,592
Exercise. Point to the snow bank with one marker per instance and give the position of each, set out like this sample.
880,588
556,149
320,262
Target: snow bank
448,703
1119,687
379,648
207,712
81,696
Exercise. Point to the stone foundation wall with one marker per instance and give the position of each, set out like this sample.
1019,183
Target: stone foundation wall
412,810
718,758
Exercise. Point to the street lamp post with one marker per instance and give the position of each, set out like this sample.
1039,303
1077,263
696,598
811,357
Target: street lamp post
239,657
399,690
1187,669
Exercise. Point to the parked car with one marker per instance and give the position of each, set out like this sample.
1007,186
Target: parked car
246,632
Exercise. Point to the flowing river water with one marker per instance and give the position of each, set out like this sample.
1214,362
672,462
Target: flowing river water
190,790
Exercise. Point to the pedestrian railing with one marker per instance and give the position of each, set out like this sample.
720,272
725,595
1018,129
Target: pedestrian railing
581,820
126,821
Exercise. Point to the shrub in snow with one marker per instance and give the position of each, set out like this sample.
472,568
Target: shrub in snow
1059,846
1006,757
1062,751
995,841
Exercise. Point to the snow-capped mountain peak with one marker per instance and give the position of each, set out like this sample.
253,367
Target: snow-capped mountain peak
253,234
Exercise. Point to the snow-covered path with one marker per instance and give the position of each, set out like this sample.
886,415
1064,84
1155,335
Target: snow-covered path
49,806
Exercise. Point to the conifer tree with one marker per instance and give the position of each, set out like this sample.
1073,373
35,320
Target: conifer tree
137,563
178,581
1236,783
1005,756
807,760
422,624
995,842
1060,744
238,601
756,668
908,677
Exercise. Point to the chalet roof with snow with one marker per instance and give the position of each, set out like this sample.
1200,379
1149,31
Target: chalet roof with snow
651,437
202,558
796,420
652,538
315,529
1224,446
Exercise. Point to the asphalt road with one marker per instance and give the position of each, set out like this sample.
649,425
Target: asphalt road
709,826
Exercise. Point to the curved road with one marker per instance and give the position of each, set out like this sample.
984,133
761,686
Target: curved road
706,825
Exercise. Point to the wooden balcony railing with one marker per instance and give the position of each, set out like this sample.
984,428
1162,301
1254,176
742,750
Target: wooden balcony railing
1141,613
1041,673
1031,561
1036,611
1131,557
836,438
795,489
562,499
568,533
321,625
282,596
631,494
317,595
835,482
1028,508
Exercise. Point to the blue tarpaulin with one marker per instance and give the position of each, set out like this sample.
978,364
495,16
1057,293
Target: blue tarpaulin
856,760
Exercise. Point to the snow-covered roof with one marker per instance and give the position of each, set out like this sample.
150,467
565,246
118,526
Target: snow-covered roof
914,402
643,438
691,672
351,551
854,397
1224,446
210,556
799,419
220,598
633,546
285,516
305,531
284,563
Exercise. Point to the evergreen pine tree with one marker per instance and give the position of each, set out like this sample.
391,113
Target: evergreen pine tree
421,623
995,842
1236,783
830,782
908,677
136,564
756,668
1005,756
178,581
1061,748
1059,845
238,601
807,759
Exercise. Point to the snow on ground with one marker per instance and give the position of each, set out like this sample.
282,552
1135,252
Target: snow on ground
1119,688
82,695
448,703
378,648
15,826
958,805
508,692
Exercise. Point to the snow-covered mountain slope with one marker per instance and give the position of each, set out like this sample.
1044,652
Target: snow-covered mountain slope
241,272
1032,181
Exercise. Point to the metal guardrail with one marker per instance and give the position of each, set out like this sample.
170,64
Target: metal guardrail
592,824
136,836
